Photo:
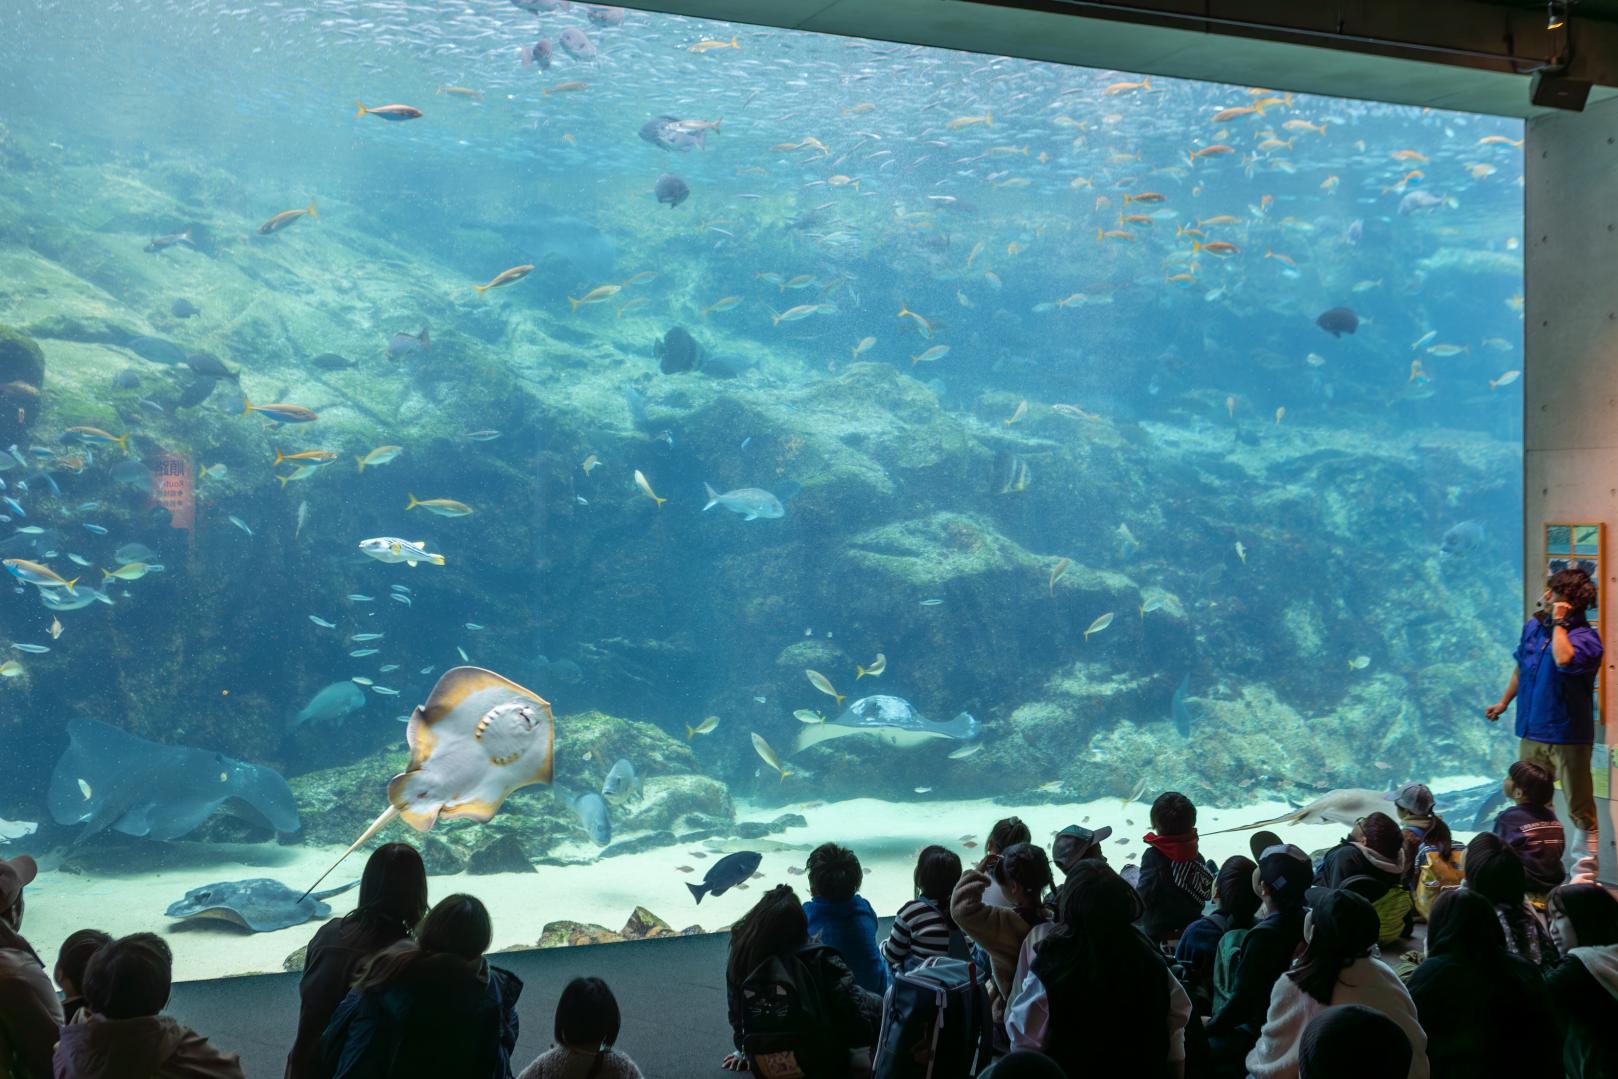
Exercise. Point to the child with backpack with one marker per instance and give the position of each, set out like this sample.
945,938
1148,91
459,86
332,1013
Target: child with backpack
1434,862
1175,881
793,1005
1234,906
923,928
1530,826
840,918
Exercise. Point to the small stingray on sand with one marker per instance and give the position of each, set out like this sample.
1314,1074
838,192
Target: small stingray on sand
259,905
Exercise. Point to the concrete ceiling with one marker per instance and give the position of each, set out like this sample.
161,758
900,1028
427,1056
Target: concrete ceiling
1050,30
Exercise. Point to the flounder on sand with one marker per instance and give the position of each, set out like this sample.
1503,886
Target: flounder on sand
892,720
259,905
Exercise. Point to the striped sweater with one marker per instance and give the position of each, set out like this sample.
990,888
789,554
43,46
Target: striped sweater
920,931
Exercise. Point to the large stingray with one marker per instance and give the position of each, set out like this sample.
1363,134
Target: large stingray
893,721
1344,806
108,778
478,738
259,905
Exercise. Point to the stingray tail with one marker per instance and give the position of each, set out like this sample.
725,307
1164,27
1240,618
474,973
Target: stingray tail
376,826
1289,818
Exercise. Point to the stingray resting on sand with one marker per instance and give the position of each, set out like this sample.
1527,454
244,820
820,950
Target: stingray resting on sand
478,738
108,778
1344,806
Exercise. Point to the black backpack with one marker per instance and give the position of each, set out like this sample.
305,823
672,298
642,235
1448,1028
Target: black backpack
935,1023
789,1026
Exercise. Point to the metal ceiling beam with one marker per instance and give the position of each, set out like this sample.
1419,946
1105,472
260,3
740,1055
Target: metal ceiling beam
1452,54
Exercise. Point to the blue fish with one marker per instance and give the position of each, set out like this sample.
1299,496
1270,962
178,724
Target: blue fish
16,507
95,530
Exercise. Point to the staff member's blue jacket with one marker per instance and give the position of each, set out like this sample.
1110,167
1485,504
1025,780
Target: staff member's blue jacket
1555,703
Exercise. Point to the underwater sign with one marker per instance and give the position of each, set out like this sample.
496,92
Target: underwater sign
174,490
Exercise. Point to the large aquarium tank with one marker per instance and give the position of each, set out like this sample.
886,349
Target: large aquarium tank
671,439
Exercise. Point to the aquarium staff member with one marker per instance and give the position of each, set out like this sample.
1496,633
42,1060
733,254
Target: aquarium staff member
1556,698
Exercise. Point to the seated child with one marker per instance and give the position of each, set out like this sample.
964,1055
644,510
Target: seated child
1433,860
1371,863
1234,907
1531,827
126,985
840,918
924,928
1175,881
71,960
587,1022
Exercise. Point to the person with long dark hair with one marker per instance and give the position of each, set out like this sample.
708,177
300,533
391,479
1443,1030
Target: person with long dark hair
1486,1012
770,946
1496,872
587,1022
1336,967
392,899
1098,997
429,1008
1584,986
1558,656
923,927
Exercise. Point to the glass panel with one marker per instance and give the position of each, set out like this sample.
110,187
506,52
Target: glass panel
863,442
1558,539
1585,539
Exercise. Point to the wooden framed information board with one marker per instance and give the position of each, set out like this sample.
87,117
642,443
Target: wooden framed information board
1583,545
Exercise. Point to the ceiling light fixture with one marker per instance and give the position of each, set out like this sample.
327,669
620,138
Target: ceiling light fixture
1555,15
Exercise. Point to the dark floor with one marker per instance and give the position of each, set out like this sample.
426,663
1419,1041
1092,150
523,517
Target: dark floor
671,993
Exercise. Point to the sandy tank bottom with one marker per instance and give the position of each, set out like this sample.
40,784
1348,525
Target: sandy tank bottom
885,835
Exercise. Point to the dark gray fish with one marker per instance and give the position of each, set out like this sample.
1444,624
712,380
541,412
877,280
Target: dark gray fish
671,189
184,309
158,243
622,784
404,344
127,379
565,670
331,361
210,366
677,351
592,811
1338,321
576,44
726,873
132,474
537,53
727,366
1462,539
156,349
196,393
134,552
665,133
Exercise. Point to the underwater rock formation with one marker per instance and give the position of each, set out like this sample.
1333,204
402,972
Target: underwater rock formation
22,376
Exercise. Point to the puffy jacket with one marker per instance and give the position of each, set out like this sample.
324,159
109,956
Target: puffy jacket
441,1018
30,1014
149,1047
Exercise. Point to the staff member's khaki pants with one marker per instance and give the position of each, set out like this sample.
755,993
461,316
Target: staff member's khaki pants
1570,764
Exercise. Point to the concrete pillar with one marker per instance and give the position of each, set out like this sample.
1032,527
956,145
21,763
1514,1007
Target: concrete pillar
1570,368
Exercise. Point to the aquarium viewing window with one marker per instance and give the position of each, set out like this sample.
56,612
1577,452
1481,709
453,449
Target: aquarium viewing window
684,443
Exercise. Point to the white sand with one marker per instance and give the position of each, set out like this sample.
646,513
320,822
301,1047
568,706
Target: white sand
886,836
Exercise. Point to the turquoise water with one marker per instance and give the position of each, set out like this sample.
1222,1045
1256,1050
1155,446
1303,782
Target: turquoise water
1127,444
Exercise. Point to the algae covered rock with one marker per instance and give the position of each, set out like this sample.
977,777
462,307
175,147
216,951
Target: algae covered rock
566,934
22,375
501,855
439,858
643,924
